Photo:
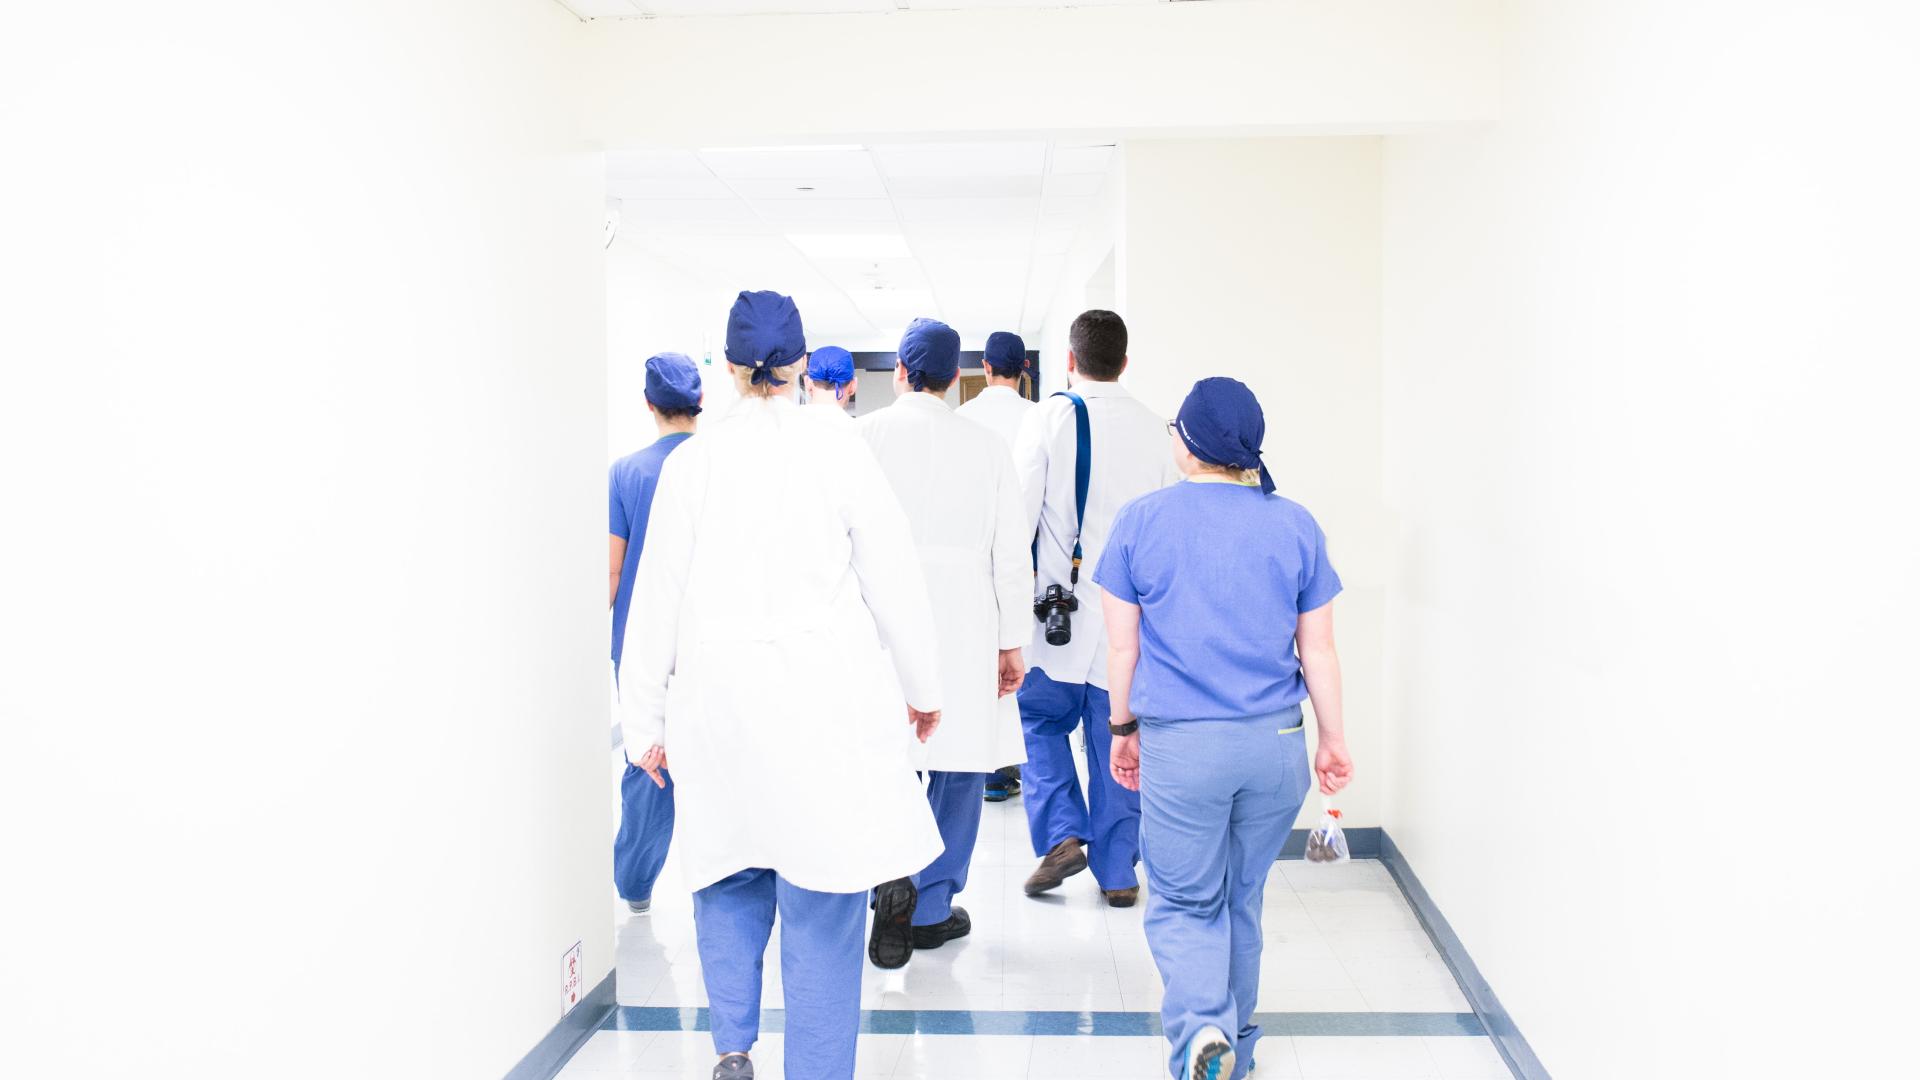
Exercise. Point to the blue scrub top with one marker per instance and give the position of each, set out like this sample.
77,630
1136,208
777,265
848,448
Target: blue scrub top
630,484
1221,572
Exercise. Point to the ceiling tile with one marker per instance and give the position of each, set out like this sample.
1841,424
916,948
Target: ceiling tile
803,188
923,187
935,160
601,9
654,163
760,7
789,162
643,212
1069,160
967,211
784,212
668,187
1070,185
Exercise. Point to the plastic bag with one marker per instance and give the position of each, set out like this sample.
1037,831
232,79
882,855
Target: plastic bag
1327,843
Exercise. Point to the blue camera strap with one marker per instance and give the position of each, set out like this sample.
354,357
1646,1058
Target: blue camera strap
1082,474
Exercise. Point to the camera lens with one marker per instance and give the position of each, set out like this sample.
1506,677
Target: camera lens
1059,628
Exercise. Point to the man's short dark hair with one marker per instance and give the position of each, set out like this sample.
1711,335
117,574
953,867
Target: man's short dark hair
687,413
1099,343
936,386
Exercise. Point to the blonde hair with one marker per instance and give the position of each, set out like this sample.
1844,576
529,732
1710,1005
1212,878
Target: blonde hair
743,381
1249,477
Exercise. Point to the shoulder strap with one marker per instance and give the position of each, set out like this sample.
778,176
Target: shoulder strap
1082,474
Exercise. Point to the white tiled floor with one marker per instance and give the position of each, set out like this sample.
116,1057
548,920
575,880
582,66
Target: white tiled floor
1339,939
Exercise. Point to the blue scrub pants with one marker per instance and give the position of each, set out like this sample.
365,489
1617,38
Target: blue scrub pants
1218,798
956,798
646,829
1049,711
820,957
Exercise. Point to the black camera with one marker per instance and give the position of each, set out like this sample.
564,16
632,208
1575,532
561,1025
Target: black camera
1054,608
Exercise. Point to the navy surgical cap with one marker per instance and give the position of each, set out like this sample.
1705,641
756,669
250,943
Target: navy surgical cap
831,364
673,382
930,349
1006,354
763,333
1222,424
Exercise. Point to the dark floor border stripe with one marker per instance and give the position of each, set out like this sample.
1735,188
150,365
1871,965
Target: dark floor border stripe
1362,843
572,1032
1493,1016
1022,1022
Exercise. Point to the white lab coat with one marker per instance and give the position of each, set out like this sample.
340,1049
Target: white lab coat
1131,456
778,576
956,481
999,408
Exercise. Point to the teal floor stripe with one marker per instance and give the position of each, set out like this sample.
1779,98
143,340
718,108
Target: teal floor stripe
1016,1022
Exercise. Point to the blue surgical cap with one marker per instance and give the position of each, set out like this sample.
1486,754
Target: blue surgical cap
1006,354
1222,424
930,349
673,382
763,333
830,364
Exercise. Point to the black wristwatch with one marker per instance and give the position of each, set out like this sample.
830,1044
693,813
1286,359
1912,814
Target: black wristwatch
1127,728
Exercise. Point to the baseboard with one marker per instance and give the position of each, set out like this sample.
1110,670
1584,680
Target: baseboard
546,1060
1513,1047
1362,843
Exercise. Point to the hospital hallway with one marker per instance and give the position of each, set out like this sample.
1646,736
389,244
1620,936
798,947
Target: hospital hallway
1061,987
1500,418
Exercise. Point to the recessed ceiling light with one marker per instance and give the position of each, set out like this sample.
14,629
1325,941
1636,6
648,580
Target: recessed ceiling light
803,187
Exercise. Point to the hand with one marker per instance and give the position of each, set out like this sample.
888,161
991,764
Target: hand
923,722
654,763
1124,761
1013,671
1333,764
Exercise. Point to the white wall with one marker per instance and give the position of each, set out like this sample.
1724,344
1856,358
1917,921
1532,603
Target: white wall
1650,373
304,629
1270,64
1259,259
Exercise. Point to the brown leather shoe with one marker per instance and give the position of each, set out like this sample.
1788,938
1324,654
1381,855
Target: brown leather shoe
1123,897
1067,858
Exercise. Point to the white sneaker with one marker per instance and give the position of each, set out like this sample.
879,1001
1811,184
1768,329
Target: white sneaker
1209,1055
640,907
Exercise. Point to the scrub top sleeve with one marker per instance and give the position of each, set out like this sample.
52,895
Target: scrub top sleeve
1321,584
617,522
1115,572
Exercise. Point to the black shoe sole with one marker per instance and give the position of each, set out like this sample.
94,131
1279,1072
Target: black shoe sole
1001,794
1037,885
891,945
1213,1062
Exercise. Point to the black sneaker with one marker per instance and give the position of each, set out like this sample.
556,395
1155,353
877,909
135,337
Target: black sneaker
932,937
1001,787
891,945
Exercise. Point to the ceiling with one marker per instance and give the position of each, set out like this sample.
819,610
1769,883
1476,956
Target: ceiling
867,238
631,9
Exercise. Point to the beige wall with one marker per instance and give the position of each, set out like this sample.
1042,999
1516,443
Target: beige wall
1650,374
304,617
1259,259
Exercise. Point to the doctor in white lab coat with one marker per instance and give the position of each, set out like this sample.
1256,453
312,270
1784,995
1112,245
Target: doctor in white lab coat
957,483
1001,408
748,580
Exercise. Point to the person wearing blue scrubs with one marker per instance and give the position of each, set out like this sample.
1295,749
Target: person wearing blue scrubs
646,808
1220,623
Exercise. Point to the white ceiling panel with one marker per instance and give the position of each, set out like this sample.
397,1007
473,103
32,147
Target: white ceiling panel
668,187
1076,184
655,163
973,233
601,9
975,187
785,212
802,188
935,160
1071,160
967,211
797,163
